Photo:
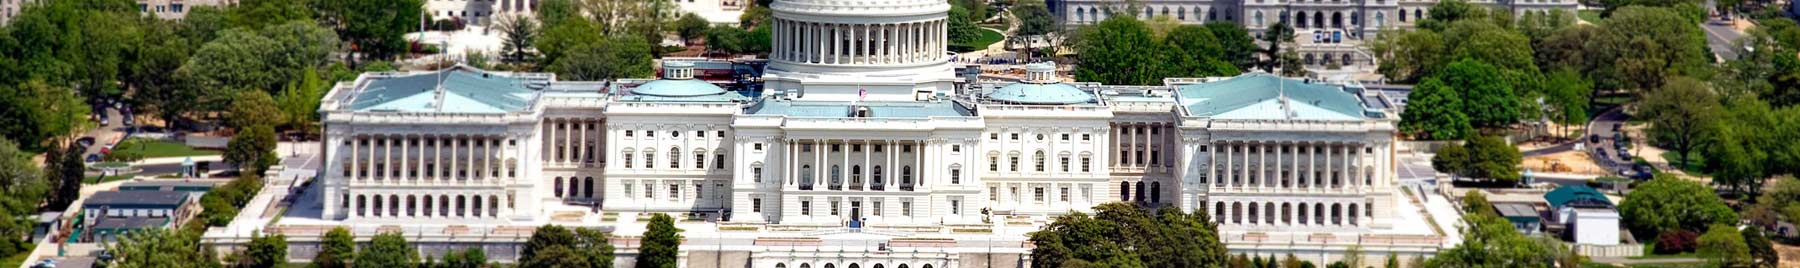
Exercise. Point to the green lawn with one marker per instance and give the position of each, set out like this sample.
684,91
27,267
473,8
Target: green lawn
1591,16
17,260
1692,168
156,148
988,37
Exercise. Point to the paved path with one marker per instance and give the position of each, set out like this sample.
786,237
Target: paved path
1720,36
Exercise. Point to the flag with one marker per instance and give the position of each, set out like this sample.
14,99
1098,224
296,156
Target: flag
862,93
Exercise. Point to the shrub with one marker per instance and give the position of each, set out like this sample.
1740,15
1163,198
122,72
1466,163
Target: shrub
1677,241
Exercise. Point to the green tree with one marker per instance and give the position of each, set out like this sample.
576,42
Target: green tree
545,237
1567,94
1275,36
520,32
1682,115
1162,238
1119,51
1443,13
1197,53
1435,111
253,108
376,29
266,251
388,249
727,39
1474,202
34,112
596,246
237,60
662,241
554,12
621,57
1480,157
299,101
1490,241
1409,55
252,150
961,30
1637,47
336,248
1723,246
645,19
63,168
256,14
1762,253
1393,261
690,26
1667,203
557,257
1235,44
559,39
472,257
22,188
1488,98
160,248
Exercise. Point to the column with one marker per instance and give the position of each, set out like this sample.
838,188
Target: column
453,159
1230,163
818,148
487,157
437,160
868,164
355,158
405,155
892,170
387,158
1330,170
1350,175
1212,165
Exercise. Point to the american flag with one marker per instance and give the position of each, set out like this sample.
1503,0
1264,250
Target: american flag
862,93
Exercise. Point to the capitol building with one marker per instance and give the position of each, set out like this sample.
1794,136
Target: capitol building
861,116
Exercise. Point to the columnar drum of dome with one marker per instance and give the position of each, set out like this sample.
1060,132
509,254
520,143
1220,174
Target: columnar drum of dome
871,33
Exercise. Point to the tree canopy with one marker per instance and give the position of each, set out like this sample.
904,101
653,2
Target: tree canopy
1124,235
661,243
1124,51
1667,204
388,249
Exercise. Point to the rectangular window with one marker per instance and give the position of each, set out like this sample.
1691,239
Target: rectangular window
835,147
906,207
1085,162
1012,163
1087,193
627,190
719,161
956,148
1063,193
699,161
994,136
700,134
757,146
834,207
1087,137
955,176
993,194
906,149
993,163
1037,194
756,174
805,207
878,148
955,207
877,208
1064,162
720,133
674,191
628,160
1065,136
648,191
1015,193
649,134
756,204
856,147
1013,136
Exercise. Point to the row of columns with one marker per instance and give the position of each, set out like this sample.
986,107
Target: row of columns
845,43
800,179
427,206
571,141
1141,145
1258,164
1295,214
439,155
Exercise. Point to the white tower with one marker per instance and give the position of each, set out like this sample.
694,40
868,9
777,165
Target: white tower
837,50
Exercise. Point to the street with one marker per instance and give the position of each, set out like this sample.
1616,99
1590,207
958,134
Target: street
1720,37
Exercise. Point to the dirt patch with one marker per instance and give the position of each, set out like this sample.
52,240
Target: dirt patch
1576,162
1790,255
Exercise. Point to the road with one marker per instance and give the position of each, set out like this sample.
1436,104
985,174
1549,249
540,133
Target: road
1602,125
1720,37
104,134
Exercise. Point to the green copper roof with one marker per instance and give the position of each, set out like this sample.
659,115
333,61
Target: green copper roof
454,90
1571,193
677,88
846,109
1033,93
1265,96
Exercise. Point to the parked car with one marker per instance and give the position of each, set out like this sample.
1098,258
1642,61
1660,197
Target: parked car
93,158
1594,139
85,141
1625,155
1644,171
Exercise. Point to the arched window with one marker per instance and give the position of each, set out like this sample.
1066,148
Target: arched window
1302,212
906,179
1381,19
1124,191
1237,213
856,175
1269,212
1080,15
1038,160
853,265
1253,214
1165,11
1140,192
1402,15
828,265
1319,213
837,177
649,158
675,157
1149,12
1319,18
587,187
780,265
1259,18
1300,21
574,187
806,177
1220,214
1419,13
1352,215
1155,192
1287,216
1346,60
1354,18
559,187
1181,13
803,265
1336,210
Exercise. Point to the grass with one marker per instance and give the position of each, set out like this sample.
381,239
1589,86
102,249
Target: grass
1591,16
18,259
1694,165
988,37
149,148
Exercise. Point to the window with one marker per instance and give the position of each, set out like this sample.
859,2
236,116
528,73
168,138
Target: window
993,194
674,157
674,191
756,172
994,162
956,148
1037,194
836,147
649,134
856,147
649,159
700,134
955,207
720,133
806,207
699,160
627,155
1015,193
1040,137
719,161
1014,136
878,148
1013,163
648,192
906,207
955,174
756,146
1087,137
628,133
877,208
1038,161
1065,136
627,190
994,136
756,204
1063,193
834,207
674,134
906,149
